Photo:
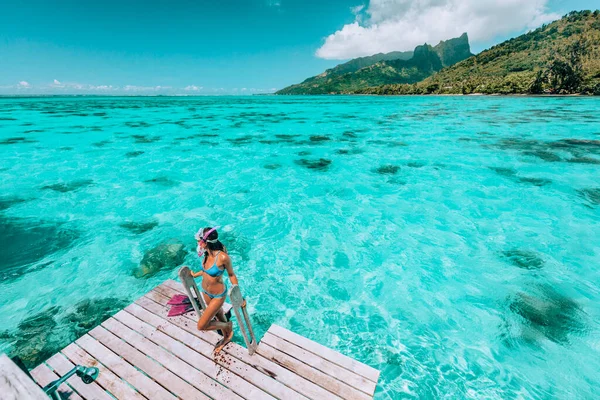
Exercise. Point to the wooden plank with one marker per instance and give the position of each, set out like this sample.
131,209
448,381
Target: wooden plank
170,288
157,372
350,372
43,376
173,284
141,382
341,374
301,386
257,377
168,360
189,355
290,379
106,379
327,382
219,366
60,364
335,357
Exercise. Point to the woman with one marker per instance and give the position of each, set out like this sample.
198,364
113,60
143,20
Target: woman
214,289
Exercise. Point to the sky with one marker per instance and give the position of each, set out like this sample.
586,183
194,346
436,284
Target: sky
199,47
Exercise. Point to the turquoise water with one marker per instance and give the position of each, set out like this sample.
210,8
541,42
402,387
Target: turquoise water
450,242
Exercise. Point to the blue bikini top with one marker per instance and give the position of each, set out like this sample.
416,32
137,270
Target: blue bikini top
214,271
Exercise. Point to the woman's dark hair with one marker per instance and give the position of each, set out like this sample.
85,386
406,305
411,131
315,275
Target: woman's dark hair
218,246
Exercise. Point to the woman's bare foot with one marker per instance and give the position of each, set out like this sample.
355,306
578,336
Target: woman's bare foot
226,339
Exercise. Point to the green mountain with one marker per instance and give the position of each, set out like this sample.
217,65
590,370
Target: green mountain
562,57
381,69
361,62
454,50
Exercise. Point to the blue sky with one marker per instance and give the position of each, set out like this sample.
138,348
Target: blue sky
229,46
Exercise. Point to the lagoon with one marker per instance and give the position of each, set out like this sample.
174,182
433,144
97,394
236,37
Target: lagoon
451,242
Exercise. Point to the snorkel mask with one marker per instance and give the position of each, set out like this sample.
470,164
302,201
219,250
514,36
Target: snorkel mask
204,238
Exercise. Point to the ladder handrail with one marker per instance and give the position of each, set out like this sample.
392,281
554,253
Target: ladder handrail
189,284
237,301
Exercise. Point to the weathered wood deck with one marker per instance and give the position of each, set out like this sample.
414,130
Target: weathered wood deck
143,354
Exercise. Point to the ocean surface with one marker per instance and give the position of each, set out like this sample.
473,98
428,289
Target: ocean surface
451,242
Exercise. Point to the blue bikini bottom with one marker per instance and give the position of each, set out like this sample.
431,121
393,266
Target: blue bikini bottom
216,296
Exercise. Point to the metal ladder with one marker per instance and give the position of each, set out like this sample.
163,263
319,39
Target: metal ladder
87,375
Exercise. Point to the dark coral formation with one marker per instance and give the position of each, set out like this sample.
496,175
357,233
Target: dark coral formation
139,227
584,160
350,151
163,181
90,313
272,166
164,256
35,337
388,143
138,124
40,238
545,311
508,172
322,164
581,151
239,141
145,138
131,154
101,143
387,169
68,187
524,259
535,181
286,137
17,140
512,174
319,138
544,155
591,195
41,335
9,201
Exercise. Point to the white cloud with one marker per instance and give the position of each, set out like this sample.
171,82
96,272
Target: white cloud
395,25
58,84
134,88
63,87
102,87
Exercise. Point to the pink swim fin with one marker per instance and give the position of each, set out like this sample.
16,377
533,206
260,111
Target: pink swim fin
179,299
180,309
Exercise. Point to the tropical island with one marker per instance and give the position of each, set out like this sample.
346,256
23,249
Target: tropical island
562,57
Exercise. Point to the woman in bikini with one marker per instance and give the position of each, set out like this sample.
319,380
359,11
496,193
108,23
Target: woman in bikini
214,289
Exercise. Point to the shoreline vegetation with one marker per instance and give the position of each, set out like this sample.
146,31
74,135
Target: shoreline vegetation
560,58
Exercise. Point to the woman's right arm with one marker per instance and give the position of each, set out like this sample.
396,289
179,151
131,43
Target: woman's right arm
196,274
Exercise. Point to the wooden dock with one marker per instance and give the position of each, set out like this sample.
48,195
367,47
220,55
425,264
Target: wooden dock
143,354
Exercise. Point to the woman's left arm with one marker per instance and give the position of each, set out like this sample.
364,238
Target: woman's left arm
230,272
232,277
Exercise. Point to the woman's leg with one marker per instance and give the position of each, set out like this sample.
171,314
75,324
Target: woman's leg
205,323
208,314
220,314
